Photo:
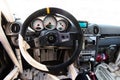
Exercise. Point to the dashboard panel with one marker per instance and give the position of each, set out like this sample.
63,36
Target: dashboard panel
97,40
92,30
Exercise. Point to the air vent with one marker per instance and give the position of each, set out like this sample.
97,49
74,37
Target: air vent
95,30
15,27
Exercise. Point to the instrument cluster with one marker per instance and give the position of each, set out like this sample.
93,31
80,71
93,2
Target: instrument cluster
49,22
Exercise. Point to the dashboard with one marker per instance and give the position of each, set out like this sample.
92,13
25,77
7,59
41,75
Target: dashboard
94,34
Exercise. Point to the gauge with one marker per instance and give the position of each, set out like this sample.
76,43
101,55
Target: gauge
37,25
50,22
62,25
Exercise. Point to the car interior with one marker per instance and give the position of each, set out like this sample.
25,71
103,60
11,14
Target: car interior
51,44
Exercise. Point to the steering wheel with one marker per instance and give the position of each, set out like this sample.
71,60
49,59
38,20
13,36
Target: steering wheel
54,40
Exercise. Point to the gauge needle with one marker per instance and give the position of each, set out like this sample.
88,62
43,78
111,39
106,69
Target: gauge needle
61,24
38,25
49,25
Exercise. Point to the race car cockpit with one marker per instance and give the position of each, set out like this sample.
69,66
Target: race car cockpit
51,44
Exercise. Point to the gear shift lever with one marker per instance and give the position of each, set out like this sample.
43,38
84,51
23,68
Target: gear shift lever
92,60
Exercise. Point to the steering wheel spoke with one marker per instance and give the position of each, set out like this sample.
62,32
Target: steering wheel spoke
75,36
23,43
34,43
64,37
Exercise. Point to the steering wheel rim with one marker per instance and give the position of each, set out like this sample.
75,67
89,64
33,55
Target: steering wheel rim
22,42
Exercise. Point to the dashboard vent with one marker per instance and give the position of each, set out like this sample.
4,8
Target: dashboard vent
15,27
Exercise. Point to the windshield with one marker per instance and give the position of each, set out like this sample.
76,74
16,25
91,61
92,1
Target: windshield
93,11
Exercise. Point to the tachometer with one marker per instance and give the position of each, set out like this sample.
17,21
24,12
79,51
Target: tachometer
37,25
50,22
62,25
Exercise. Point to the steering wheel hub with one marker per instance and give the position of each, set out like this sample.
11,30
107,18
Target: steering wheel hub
51,37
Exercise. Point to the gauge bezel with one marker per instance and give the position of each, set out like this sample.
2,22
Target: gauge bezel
66,22
33,23
51,17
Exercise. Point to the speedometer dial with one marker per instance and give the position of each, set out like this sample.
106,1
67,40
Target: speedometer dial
50,22
37,25
62,25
